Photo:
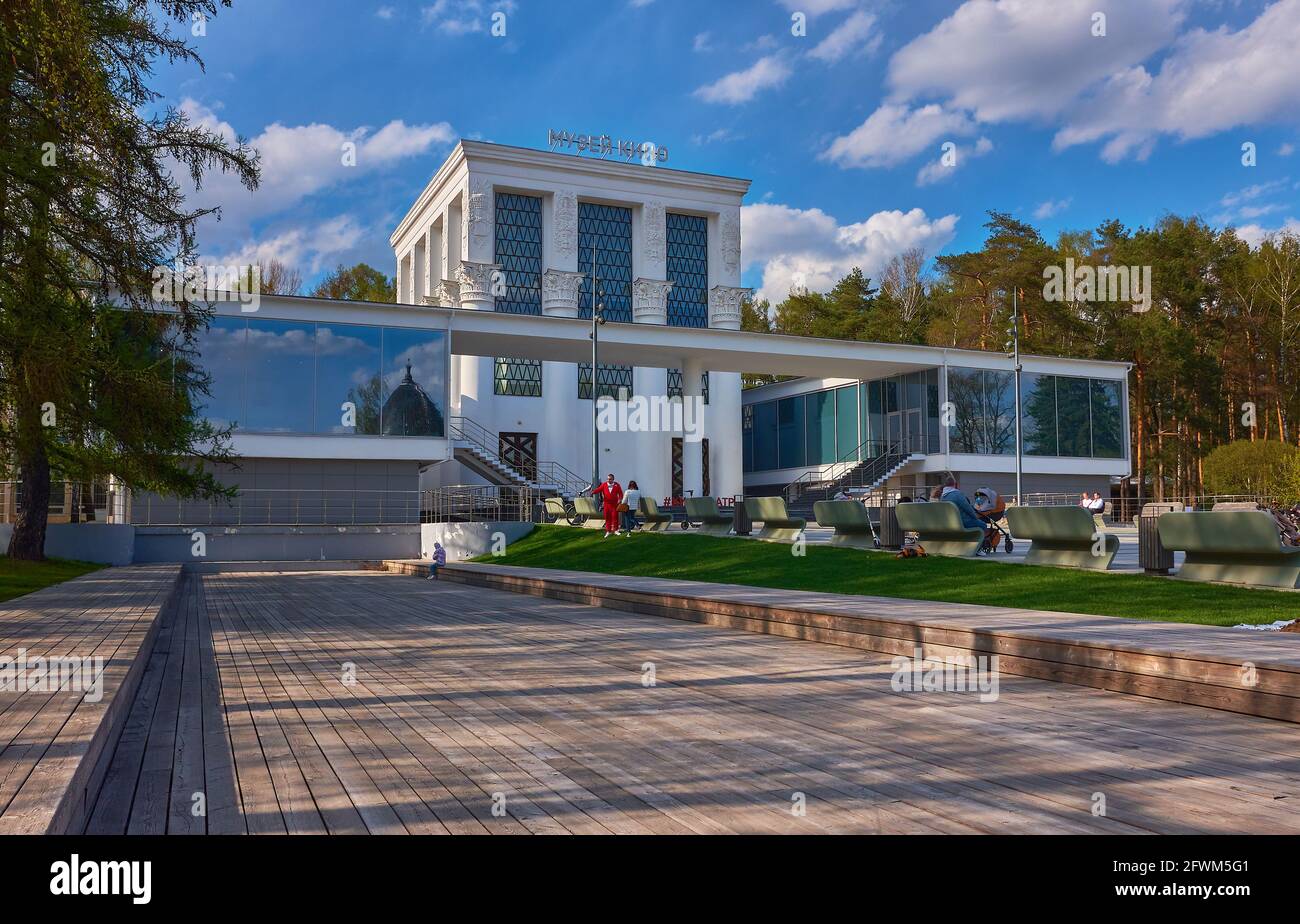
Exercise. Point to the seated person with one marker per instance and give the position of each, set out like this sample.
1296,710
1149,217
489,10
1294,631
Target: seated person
970,517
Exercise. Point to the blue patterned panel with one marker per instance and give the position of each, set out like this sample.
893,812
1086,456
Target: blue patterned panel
688,270
519,252
606,232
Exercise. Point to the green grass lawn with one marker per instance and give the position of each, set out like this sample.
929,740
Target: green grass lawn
851,571
22,577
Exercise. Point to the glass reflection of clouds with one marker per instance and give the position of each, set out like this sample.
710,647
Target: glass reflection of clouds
273,376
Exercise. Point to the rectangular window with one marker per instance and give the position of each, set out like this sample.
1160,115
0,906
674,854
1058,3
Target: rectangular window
1073,429
1038,413
279,377
790,432
966,394
605,235
519,252
1107,419
765,455
820,424
688,269
1000,412
615,381
932,410
347,378
518,377
414,379
846,423
220,354
747,437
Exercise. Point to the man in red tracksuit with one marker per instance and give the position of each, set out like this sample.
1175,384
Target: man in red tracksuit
611,495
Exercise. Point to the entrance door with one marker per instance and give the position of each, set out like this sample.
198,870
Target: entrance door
895,424
519,451
914,431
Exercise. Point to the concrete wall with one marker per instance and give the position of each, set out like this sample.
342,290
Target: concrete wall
466,540
105,543
316,543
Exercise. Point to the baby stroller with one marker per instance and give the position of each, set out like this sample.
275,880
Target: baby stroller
992,509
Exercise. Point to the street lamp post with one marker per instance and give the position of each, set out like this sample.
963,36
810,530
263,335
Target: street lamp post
1014,346
597,319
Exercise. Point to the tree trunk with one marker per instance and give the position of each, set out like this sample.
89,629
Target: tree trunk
28,540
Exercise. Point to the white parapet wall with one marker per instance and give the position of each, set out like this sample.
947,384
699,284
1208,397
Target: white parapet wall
466,540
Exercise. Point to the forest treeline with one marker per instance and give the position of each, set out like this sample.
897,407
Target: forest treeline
1215,353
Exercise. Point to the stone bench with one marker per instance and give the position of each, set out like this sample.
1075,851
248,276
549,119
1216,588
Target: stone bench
851,522
588,511
938,528
778,525
1237,547
705,511
1063,536
652,518
556,510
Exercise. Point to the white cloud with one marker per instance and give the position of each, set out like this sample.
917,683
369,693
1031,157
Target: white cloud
936,171
809,247
1208,83
1014,59
301,160
742,86
857,33
702,42
309,249
894,133
386,12
462,17
1052,207
1254,234
1286,149
815,8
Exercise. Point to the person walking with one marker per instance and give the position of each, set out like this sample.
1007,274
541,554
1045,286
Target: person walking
631,504
611,495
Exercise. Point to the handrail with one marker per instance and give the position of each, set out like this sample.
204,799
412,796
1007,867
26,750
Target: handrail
487,442
846,465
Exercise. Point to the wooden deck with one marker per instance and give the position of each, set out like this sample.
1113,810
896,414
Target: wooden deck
55,742
467,698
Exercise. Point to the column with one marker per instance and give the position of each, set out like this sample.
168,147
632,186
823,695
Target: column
650,306
565,435
466,223
692,458
722,418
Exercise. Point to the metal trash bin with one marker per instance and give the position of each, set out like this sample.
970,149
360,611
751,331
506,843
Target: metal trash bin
740,521
1152,554
891,534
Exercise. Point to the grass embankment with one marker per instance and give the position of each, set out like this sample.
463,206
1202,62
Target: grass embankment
23,577
852,571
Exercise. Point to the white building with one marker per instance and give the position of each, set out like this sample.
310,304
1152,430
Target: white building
480,372
523,232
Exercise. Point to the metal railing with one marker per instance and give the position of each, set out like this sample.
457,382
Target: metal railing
287,507
474,503
537,472
863,467
68,501
1125,508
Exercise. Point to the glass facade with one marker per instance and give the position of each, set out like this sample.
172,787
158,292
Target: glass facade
605,234
675,384
519,253
272,376
517,377
615,381
688,270
1061,416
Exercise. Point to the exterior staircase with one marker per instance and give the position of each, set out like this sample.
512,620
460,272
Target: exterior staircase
867,468
478,449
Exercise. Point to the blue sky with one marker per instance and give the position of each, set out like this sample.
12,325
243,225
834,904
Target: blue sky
840,128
